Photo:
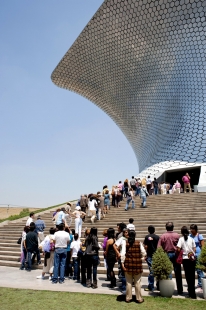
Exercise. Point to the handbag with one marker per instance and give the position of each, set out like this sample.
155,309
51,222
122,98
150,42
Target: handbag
191,256
19,240
179,257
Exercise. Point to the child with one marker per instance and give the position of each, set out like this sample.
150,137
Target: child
75,247
131,226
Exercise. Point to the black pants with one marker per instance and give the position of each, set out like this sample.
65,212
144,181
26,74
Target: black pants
177,270
110,266
189,268
113,200
83,269
68,267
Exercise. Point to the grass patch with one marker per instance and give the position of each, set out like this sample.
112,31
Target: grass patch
25,212
31,299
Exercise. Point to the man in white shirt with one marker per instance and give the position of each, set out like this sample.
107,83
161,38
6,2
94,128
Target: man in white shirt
133,183
61,239
30,219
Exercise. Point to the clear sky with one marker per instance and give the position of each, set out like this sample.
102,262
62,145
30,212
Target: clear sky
54,144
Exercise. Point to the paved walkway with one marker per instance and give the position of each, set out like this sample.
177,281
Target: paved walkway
15,278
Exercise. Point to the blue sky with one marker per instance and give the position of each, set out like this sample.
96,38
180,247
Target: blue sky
54,144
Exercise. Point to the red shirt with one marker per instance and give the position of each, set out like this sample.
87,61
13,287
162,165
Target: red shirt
168,241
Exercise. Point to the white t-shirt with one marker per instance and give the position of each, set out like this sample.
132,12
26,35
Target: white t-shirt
29,221
149,181
131,226
186,246
61,238
92,205
119,242
75,247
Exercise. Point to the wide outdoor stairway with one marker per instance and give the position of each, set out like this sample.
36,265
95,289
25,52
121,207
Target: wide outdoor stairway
183,209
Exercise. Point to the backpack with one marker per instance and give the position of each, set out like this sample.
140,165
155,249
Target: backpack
129,195
46,247
92,248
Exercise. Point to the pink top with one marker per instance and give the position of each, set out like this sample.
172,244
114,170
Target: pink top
177,185
185,179
120,186
168,241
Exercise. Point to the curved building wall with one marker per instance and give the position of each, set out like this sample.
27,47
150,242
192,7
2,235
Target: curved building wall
143,63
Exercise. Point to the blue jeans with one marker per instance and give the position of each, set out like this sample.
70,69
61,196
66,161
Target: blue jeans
24,258
97,213
155,190
92,261
123,284
76,268
29,254
137,191
144,201
200,274
177,270
60,256
29,259
128,202
150,276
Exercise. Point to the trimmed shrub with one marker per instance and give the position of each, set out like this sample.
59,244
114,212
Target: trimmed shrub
161,265
201,262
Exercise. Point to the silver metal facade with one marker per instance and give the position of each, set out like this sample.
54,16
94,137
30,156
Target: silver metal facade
143,63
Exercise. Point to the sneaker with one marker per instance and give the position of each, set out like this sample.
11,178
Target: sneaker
50,278
61,282
199,290
40,277
148,289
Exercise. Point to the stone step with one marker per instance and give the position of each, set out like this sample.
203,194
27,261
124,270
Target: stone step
181,209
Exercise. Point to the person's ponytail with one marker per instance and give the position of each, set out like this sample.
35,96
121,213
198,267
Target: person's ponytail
131,238
185,232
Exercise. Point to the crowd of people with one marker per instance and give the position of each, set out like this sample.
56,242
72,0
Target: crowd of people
67,255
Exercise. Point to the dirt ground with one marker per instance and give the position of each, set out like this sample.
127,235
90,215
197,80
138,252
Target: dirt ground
5,212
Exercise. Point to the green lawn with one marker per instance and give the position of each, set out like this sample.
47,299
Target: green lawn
17,299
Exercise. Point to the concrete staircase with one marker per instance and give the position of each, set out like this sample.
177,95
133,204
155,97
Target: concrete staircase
183,209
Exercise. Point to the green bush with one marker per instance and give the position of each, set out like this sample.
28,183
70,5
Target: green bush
201,262
161,265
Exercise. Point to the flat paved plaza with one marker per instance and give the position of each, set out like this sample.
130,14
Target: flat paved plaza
15,278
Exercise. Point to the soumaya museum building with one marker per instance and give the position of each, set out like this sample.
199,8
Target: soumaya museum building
143,62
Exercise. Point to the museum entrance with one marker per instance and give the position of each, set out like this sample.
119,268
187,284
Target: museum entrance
170,176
